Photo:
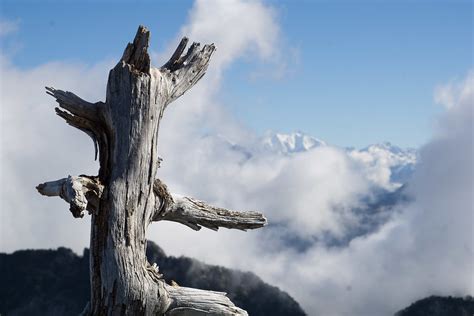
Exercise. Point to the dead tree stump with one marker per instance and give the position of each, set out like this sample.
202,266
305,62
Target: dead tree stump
126,197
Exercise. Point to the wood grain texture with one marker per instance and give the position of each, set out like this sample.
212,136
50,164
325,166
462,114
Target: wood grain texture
125,197
196,214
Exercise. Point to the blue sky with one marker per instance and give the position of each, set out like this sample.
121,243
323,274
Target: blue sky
356,73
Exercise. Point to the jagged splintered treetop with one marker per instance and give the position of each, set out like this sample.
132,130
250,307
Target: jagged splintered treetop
126,197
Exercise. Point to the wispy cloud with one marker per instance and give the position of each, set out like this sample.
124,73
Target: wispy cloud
425,248
8,27
455,92
36,146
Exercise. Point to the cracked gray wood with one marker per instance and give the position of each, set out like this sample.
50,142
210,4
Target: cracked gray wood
126,197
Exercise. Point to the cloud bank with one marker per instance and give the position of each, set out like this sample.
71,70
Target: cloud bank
36,146
424,248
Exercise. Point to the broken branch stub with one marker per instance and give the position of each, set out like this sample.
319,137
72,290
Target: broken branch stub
184,71
136,53
82,193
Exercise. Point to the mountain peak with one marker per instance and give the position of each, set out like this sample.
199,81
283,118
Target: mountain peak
290,143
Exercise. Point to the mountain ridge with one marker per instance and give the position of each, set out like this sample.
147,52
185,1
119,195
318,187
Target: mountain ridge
440,306
290,143
400,161
56,282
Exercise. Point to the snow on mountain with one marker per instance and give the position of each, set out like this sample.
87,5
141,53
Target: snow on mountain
386,165
290,143
354,191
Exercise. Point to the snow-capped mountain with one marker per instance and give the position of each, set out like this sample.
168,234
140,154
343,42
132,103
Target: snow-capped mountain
290,143
387,168
398,163
386,165
379,173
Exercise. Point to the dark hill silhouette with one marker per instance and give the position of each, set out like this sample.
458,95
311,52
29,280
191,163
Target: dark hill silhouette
440,306
56,282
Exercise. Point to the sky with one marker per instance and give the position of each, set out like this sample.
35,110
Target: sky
399,72
350,73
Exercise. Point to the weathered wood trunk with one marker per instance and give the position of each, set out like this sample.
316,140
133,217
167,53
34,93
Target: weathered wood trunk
125,197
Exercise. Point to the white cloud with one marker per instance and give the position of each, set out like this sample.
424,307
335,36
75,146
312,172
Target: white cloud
455,92
304,189
237,27
37,146
425,249
379,161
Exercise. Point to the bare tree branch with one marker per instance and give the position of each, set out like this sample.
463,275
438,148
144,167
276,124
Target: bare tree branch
196,214
87,117
184,71
74,104
176,59
82,193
